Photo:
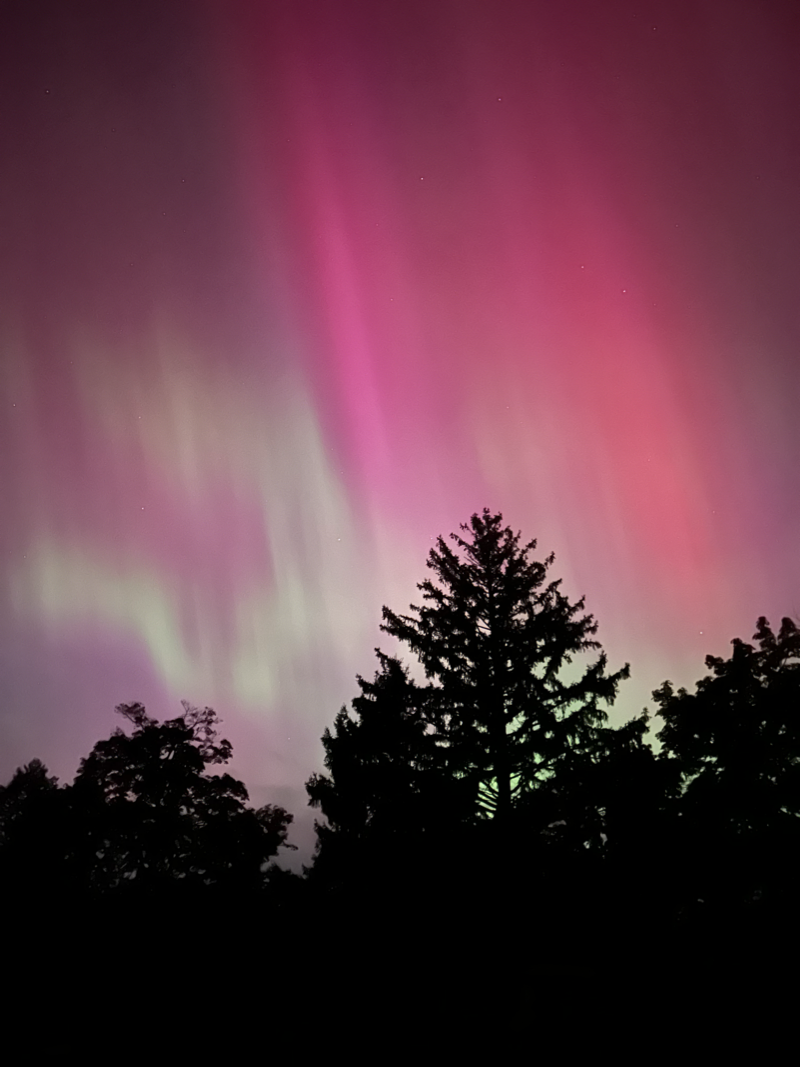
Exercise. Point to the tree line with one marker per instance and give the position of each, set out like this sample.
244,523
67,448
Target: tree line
491,792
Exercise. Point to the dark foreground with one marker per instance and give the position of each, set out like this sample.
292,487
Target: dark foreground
219,977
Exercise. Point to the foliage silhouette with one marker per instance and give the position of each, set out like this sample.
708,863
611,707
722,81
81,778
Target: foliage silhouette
146,817
153,815
33,828
385,798
735,744
499,642
494,759
592,848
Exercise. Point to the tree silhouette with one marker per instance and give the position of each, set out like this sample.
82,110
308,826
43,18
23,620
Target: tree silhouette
32,831
28,785
150,813
499,644
384,797
493,756
736,745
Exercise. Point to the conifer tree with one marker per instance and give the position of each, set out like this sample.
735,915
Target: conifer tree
505,650
384,791
509,721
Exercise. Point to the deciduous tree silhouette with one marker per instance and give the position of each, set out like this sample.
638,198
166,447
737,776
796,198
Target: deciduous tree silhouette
151,869
736,745
152,815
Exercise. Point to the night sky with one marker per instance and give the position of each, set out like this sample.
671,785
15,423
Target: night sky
288,289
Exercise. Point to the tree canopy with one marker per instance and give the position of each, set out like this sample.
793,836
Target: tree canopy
384,788
516,684
735,744
154,813
505,651
31,827
739,733
148,811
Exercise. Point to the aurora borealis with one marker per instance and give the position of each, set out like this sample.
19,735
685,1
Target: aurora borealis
287,289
